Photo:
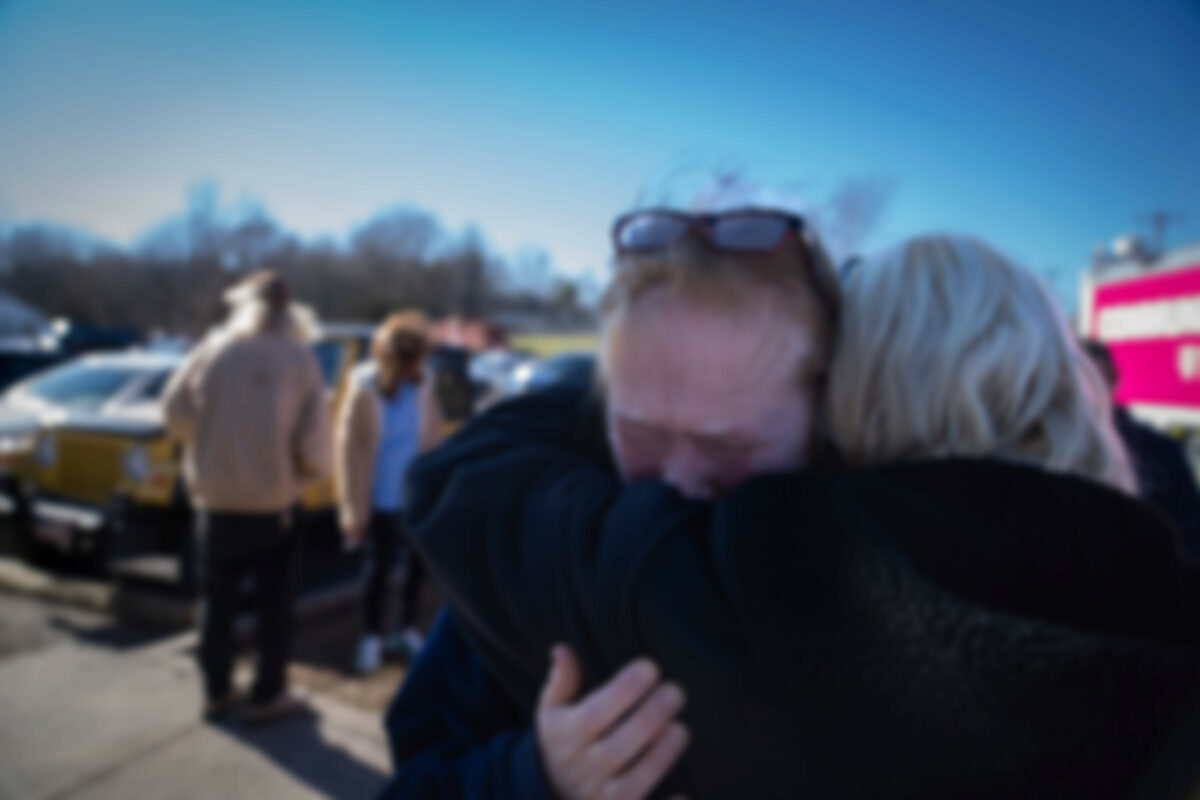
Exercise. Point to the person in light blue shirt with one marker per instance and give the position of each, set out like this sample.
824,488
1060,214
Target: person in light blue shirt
389,416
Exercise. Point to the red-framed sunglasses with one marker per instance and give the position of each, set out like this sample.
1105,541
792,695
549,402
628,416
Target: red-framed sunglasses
757,231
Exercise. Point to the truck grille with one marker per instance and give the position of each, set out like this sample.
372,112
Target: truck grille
89,468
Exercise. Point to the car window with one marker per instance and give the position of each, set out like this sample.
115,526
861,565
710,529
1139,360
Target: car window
154,389
329,355
80,386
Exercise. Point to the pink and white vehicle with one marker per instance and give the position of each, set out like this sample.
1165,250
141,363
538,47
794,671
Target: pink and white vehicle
1146,308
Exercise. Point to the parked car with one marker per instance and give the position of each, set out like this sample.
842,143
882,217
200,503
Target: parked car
99,390
108,484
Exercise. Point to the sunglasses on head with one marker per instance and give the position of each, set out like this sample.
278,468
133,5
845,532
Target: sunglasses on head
754,231
743,231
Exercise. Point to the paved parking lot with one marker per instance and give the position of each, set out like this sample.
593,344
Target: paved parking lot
93,707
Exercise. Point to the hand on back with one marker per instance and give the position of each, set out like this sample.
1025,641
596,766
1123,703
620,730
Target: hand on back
618,742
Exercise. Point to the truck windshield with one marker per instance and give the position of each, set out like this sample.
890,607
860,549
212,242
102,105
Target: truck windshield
80,386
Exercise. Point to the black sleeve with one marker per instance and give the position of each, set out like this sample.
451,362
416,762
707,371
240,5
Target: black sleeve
454,733
510,515
533,544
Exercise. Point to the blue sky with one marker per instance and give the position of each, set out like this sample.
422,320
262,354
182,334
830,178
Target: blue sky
1044,126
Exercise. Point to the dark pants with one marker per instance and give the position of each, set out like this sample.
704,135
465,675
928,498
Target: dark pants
385,538
232,547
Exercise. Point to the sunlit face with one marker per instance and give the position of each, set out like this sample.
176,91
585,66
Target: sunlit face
703,398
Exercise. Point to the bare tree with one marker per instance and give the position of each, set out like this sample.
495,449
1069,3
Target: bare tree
402,233
174,278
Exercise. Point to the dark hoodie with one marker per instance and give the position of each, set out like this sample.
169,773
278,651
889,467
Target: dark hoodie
932,629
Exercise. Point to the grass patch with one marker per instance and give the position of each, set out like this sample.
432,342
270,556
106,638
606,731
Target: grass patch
551,344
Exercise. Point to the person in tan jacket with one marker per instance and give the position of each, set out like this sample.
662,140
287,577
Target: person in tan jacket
249,406
389,416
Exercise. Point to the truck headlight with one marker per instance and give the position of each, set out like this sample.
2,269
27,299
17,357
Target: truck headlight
45,451
12,444
137,464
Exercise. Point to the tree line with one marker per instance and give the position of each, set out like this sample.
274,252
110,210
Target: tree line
173,278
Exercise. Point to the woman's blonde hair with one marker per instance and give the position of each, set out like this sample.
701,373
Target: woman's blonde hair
801,279
946,349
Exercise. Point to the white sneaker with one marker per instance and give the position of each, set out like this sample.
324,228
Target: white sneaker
370,654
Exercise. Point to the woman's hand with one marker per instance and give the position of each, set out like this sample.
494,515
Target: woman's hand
615,744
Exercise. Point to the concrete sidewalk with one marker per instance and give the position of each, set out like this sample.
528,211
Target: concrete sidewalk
90,718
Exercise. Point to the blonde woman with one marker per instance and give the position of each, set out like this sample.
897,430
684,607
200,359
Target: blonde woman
974,604
389,416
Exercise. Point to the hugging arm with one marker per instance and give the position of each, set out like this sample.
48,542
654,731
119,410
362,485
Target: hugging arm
534,544
455,733
508,515
505,514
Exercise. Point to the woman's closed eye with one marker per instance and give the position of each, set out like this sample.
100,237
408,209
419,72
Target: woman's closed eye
725,448
638,434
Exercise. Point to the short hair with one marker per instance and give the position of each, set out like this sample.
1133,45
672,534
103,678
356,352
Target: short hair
947,349
402,338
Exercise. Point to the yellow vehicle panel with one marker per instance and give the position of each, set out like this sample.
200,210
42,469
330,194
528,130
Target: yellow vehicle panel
93,467
85,466
322,494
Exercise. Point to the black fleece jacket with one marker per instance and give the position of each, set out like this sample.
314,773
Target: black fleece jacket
955,628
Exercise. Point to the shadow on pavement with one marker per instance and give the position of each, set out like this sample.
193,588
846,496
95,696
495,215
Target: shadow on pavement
114,635
298,746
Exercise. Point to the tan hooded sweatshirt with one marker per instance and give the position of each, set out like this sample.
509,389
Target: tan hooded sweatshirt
251,411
